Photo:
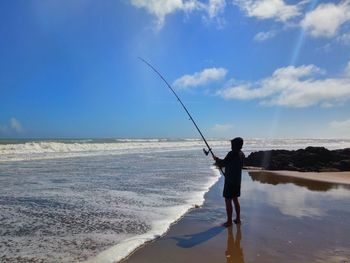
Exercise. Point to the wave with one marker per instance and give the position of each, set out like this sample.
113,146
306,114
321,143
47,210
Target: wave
47,149
56,149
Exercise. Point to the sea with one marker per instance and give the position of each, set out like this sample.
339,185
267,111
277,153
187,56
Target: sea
97,200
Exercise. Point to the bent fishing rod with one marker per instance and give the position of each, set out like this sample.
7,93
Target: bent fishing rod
206,152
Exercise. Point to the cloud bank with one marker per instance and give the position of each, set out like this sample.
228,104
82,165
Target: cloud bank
326,20
293,87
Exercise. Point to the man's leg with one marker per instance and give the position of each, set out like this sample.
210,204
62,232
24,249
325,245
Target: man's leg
238,210
229,210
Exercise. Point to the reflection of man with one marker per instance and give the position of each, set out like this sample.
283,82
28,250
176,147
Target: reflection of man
233,164
234,252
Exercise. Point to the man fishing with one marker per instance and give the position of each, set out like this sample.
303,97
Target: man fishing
233,164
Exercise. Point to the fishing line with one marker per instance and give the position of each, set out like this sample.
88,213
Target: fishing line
206,152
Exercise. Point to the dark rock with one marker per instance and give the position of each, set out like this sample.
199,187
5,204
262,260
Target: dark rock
313,159
343,165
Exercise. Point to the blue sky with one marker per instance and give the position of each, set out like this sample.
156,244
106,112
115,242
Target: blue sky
268,68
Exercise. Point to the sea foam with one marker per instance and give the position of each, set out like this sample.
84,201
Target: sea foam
52,149
36,150
73,209
159,227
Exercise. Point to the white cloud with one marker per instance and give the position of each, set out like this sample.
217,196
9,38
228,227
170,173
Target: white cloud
200,78
262,36
222,127
14,126
160,9
326,19
269,9
293,87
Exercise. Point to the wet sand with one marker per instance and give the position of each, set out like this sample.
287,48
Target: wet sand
283,221
330,177
197,237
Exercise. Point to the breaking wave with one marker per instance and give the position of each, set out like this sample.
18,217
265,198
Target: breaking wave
50,149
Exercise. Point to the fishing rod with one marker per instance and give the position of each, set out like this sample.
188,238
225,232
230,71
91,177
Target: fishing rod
206,152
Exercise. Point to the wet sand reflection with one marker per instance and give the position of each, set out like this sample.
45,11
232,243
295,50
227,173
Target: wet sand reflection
284,220
234,252
266,177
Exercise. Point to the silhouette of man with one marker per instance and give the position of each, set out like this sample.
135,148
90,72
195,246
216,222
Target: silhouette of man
233,164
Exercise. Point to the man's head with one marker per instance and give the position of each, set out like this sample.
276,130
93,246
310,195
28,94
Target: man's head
236,144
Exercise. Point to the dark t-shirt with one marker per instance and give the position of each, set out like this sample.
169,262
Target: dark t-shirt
233,164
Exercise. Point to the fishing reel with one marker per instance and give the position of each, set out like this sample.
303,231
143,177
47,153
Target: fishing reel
206,152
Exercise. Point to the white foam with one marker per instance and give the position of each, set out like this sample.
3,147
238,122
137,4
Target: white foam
51,150
36,150
159,227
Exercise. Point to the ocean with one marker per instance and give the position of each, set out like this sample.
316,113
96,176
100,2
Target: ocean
86,199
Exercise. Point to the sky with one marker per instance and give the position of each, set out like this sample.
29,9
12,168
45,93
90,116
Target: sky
255,69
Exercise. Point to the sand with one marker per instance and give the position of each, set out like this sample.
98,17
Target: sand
330,177
267,234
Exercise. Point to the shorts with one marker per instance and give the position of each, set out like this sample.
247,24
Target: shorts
231,190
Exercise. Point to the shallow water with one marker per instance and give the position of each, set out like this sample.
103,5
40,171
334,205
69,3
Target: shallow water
283,221
293,220
70,209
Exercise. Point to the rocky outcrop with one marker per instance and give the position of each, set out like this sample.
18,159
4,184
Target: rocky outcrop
310,159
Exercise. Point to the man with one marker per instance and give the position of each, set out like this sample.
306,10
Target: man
233,164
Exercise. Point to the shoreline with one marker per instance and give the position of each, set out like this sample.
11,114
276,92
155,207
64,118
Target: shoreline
122,250
149,251
208,244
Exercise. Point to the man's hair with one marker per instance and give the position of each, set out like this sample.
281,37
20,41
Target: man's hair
238,142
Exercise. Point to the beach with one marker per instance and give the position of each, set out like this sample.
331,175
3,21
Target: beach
267,234
70,209
120,120
100,200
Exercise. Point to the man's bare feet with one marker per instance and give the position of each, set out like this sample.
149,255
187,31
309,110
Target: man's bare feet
237,221
227,224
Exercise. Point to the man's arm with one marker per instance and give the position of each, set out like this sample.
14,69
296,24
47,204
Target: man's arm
222,162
